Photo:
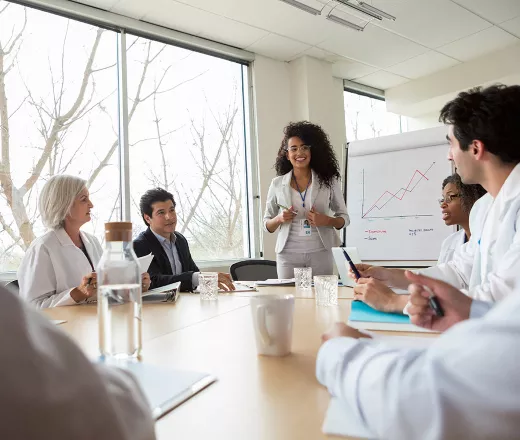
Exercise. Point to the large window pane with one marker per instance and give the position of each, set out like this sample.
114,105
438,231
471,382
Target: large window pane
186,134
367,118
58,115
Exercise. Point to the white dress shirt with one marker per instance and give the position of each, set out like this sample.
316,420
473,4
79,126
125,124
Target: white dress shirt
53,266
50,390
466,385
173,256
488,265
450,244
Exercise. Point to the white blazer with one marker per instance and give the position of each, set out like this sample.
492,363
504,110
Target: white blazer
53,266
324,199
488,265
450,245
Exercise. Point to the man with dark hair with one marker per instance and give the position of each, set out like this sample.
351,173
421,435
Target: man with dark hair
172,260
484,137
465,385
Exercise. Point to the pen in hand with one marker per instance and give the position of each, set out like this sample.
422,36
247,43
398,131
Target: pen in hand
434,304
90,278
352,265
287,209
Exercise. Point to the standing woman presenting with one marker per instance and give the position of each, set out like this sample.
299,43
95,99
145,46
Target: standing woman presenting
305,201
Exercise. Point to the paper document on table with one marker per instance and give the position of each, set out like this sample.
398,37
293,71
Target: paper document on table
144,262
276,282
241,287
339,420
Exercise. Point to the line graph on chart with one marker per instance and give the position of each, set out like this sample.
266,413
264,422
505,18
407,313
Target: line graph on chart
376,210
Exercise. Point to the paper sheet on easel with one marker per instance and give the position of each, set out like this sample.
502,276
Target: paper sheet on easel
144,262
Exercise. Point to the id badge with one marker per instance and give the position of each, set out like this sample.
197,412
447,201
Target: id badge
305,228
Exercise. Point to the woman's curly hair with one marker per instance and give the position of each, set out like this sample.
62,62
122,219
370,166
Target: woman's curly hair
323,160
469,194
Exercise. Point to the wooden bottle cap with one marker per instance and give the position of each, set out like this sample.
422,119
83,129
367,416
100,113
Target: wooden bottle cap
118,231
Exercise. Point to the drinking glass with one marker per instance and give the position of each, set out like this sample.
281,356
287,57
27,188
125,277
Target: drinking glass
326,290
208,286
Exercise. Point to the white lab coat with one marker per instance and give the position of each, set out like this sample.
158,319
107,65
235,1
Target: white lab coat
464,386
50,390
487,267
53,265
450,245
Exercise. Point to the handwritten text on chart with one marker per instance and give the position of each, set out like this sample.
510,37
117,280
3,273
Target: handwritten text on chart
415,232
373,233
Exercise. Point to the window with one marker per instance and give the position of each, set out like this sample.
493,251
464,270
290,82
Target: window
58,110
59,97
187,136
367,118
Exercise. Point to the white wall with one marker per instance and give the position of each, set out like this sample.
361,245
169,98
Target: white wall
271,85
424,121
426,96
302,89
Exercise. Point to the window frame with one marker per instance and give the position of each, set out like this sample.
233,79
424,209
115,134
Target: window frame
124,26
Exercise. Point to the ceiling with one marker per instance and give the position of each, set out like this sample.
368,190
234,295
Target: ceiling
428,35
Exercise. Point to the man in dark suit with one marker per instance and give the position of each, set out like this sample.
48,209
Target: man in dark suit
172,260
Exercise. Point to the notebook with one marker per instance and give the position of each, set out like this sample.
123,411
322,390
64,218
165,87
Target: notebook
167,293
276,282
164,388
364,317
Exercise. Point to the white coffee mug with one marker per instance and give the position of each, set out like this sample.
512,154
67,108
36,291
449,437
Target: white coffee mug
272,322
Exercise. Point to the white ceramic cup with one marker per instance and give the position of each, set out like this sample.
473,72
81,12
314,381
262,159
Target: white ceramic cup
272,323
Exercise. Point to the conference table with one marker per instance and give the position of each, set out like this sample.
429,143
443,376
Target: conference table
255,397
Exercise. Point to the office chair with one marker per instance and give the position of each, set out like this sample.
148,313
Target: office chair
253,270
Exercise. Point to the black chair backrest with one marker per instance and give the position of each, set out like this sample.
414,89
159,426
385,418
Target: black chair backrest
253,270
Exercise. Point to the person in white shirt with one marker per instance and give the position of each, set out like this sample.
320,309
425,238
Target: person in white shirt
58,269
50,390
464,386
483,134
456,203
305,202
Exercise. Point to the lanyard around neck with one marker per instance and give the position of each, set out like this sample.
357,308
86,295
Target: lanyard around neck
299,191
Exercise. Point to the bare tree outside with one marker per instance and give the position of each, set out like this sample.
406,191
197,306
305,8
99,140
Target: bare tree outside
58,115
367,118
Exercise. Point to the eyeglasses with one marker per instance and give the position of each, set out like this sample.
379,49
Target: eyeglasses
304,148
448,199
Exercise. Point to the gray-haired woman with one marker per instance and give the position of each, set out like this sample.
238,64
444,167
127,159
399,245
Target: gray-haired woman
58,269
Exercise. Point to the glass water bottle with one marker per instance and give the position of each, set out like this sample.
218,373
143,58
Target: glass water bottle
119,295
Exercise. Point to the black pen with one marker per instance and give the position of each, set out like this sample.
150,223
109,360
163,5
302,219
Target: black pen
434,304
352,265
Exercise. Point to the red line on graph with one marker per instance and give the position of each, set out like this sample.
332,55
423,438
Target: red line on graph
405,190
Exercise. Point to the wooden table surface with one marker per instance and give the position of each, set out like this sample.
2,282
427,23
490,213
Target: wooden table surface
255,397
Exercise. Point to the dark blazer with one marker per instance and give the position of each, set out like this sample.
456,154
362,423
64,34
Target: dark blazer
160,269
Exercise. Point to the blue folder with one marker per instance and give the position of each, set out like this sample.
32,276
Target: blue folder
362,312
